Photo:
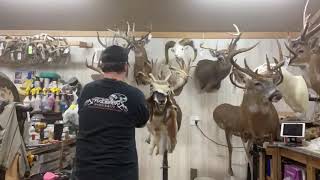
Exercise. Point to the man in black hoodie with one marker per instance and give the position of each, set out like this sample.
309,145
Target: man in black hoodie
109,112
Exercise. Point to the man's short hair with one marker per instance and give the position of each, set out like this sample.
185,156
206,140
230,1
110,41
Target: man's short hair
114,59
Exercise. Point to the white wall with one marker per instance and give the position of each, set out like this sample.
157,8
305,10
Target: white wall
192,151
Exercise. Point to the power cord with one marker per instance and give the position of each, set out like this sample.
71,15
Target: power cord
196,122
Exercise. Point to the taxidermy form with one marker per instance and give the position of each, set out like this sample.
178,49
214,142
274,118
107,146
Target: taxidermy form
210,73
256,118
179,76
294,89
142,64
165,117
307,49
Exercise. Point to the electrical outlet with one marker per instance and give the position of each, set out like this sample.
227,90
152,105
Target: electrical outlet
194,119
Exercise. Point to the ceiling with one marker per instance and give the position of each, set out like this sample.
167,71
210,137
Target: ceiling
164,15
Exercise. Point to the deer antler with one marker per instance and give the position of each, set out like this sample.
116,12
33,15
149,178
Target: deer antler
233,52
211,50
306,34
99,40
97,69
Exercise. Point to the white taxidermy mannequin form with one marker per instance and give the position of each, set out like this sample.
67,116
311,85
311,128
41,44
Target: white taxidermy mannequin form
293,89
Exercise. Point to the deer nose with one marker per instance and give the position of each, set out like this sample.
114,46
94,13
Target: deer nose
275,96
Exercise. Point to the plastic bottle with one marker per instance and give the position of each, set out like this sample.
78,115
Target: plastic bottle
51,100
44,102
33,98
63,103
37,102
57,103
27,100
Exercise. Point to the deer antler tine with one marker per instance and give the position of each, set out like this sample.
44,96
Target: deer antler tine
133,27
99,40
168,77
292,52
280,51
275,60
268,63
304,14
152,77
237,29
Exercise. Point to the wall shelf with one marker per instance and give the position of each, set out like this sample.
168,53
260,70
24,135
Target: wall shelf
310,159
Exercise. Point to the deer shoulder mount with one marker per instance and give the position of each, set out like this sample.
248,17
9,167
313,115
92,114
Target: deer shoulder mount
294,89
165,117
179,76
306,48
210,73
256,118
142,65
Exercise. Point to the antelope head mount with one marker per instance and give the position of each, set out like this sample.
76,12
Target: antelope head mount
142,63
180,76
306,48
165,116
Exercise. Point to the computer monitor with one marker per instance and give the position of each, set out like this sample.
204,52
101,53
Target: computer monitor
293,129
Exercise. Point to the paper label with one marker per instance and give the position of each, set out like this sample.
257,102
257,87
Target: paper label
30,50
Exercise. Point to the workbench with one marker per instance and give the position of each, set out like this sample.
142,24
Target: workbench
310,159
53,157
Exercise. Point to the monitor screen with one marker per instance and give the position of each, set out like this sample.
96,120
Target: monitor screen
292,129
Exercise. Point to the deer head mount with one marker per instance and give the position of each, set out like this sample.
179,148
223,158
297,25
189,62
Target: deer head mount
293,88
179,76
256,118
210,73
142,63
306,48
165,116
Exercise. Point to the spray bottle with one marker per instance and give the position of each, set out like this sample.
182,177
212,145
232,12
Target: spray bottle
51,100
44,102
57,101
63,103
37,102
27,99
33,99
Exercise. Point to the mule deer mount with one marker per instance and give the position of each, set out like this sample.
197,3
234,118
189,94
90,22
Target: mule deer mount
307,49
210,73
142,63
256,118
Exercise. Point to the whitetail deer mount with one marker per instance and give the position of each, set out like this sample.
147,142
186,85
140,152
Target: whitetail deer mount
210,73
142,63
307,49
179,76
256,118
293,88
165,116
